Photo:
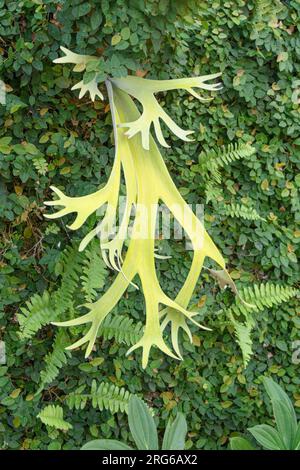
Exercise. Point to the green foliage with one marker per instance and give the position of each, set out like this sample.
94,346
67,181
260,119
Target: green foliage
258,55
286,434
94,272
102,396
123,329
144,432
54,360
38,312
258,297
211,160
69,269
265,295
53,416
240,211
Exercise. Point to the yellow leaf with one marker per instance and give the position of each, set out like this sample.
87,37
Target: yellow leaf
18,190
196,340
43,111
201,301
171,405
226,404
116,39
15,393
65,170
16,422
265,185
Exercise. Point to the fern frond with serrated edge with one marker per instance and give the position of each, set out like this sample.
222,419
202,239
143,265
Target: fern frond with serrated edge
212,159
265,295
123,329
104,396
240,211
94,271
37,313
243,337
260,296
53,416
71,261
54,360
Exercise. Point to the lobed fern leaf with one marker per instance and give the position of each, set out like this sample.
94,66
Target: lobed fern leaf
94,271
104,396
240,211
70,269
242,332
212,159
260,296
123,329
265,295
37,313
54,360
53,416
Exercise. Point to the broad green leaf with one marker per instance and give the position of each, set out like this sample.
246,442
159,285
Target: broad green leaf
267,437
142,425
174,437
284,423
105,444
296,443
275,392
240,443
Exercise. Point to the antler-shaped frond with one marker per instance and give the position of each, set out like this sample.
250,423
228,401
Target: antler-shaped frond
80,62
73,58
84,206
90,87
144,90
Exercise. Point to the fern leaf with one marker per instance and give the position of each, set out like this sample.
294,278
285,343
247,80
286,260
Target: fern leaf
70,269
37,313
243,337
260,296
54,360
240,211
266,295
211,160
122,329
94,272
104,396
53,416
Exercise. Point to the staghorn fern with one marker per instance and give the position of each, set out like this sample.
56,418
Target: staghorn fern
104,396
53,416
260,297
147,182
123,329
239,211
120,328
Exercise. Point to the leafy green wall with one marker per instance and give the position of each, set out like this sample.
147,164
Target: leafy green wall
48,136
